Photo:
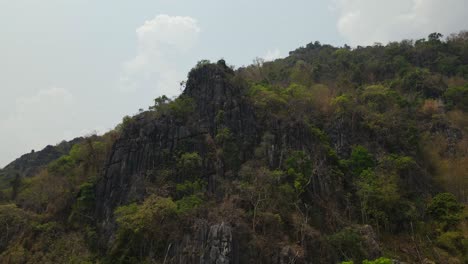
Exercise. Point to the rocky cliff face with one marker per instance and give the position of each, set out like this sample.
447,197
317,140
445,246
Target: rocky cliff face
210,244
153,141
219,96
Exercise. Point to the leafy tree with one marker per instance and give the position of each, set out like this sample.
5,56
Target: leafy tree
445,209
423,82
144,228
189,165
380,198
435,37
160,102
202,63
190,187
188,203
61,166
457,97
378,97
359,160
299,169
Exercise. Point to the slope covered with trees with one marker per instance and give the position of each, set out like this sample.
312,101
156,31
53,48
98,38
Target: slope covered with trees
330,155
31,163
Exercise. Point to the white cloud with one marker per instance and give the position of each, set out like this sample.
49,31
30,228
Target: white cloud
272,55
162,42
53,114
46,117
363,22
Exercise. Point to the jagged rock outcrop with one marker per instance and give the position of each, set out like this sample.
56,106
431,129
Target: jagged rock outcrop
217,93
208,244
153,141
219,245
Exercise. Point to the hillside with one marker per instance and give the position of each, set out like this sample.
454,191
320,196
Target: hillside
329,155
31,163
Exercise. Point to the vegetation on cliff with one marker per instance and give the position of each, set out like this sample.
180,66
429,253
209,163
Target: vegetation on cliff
329,155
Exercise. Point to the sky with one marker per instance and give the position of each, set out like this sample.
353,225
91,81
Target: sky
71,68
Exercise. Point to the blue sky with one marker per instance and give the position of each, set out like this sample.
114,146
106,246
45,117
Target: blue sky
68,68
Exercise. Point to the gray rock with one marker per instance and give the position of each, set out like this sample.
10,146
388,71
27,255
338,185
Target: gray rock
152,142
207,244
218,246
370,241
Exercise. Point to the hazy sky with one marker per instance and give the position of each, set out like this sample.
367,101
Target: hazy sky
71,67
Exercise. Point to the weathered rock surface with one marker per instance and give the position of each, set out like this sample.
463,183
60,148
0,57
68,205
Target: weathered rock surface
218,245
153,142
370,241
208,244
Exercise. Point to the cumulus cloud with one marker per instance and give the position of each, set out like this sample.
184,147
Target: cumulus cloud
46,117
363,22
53,114
272,55
162,42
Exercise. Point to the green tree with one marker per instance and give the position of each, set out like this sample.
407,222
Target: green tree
144,229
359,160
299,170
189,165
445,209
380,198
62,166
457,97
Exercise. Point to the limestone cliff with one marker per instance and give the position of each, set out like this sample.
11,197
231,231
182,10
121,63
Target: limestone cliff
152,141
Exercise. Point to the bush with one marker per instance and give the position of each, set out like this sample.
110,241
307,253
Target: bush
451,241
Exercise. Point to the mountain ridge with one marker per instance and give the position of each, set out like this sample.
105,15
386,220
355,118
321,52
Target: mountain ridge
327,156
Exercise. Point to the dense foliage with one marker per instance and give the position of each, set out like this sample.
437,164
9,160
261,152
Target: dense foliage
363,158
